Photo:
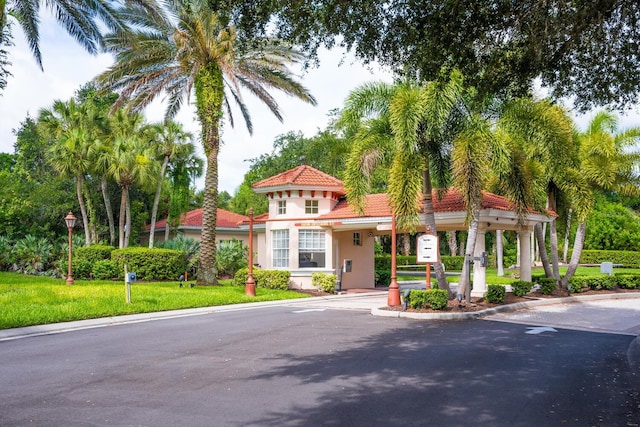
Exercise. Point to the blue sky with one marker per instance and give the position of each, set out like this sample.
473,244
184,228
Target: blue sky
67,67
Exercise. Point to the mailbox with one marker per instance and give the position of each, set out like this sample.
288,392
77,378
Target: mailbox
346,266
484,259
131,277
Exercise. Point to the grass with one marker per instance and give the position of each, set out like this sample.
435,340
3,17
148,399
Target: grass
32,300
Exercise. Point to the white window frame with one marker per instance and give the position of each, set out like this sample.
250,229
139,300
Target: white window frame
312,248
311,206
357,239
282,207
280,248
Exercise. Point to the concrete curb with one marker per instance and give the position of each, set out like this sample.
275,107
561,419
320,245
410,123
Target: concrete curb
56,328
501,309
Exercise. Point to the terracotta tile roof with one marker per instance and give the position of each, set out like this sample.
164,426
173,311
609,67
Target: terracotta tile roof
225,219
302,176
377,205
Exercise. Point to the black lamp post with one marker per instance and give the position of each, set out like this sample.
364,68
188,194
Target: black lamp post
70,221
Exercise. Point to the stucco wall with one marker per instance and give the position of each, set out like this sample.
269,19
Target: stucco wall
362,273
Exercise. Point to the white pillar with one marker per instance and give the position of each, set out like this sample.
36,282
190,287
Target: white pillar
479,271
500,252
525,255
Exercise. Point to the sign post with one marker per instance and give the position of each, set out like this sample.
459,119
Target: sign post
428,252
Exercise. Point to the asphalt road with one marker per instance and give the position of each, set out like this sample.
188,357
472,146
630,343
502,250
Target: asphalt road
297,366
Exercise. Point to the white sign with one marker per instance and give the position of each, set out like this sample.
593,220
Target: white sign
428,248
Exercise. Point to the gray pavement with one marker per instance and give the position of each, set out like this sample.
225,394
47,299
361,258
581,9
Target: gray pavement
610,313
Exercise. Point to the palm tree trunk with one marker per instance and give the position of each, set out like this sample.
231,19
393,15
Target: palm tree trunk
575,256
127,226
565,249
453,242
121,219
156,201
464,287
109,209
430,224
209,89
539,232
553,245
83,210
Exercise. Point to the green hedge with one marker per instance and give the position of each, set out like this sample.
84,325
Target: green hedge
324,282
451,263
105,269
150,264
94,253
269,279
520,288
496,293
629,259
382,278
435,299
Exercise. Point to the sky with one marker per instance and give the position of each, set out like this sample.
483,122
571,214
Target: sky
67,67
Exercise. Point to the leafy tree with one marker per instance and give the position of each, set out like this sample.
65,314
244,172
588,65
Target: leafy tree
581,48
612,226
186,49
224,200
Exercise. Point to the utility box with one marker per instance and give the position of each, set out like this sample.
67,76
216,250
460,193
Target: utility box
606,268
131,277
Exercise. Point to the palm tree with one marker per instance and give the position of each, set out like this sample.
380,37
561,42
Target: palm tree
132,163
170,139
72,129
421,120
186,49
609,161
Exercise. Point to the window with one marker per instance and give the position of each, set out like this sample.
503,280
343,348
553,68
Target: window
282,207
311,248
280,244
357,239
311,206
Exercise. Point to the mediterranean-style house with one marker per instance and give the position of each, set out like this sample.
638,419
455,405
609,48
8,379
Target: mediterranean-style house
310,227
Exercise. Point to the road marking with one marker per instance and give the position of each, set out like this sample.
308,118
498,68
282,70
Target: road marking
540,329
309,310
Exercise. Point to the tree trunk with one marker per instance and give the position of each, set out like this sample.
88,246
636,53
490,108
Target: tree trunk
464,286
83,210
575,256
539,232
209,90
406,244
127,225
430,225
167,231
565,249
500,252
121,218
553,245
107,206
453,242
156,201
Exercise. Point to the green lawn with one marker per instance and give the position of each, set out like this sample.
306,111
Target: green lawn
32,300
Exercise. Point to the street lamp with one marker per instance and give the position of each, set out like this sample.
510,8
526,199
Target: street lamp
70,221
393,296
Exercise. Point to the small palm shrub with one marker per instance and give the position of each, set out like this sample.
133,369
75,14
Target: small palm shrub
31,254
231,256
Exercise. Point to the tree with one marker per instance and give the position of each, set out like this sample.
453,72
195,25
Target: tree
132,163
188,49
170,138
583,48
420,119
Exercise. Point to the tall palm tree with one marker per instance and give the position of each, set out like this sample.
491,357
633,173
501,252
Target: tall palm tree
170,139
421,120
609,161
132,163
189,49
72,127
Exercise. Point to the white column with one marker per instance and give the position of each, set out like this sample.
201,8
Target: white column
525,255
479,272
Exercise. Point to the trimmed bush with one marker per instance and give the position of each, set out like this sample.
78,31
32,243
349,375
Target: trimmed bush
630,259
547,285
602,282
272,279
105,269
578,284
383,262
324,282
435,299
382,278
150,264
628,281
81,268
241,276
94,253
495,294
520,288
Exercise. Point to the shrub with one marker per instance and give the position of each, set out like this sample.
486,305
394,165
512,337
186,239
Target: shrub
382,278
272,279
241,276
324,282
150,264
495,294
521,288
628,281
231,256
105,269
626,258
81,268
602,282
577,284
547,285
436,299
94,253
